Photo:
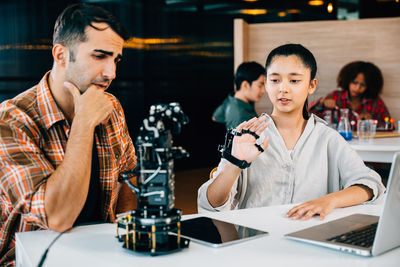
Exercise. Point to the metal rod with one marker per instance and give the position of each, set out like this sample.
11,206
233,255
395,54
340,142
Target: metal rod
153,235
179,233
127,236
134,236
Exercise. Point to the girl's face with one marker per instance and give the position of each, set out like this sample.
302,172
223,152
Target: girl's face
288,84
358,86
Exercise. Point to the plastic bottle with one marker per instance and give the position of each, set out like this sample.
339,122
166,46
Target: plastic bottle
391,124
386,123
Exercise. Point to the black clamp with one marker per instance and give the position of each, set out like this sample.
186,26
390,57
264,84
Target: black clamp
256,136
245,131
235,161
225,149
259,148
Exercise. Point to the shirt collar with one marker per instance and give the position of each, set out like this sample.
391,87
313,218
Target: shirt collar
346,95
48,108
310,125
248,106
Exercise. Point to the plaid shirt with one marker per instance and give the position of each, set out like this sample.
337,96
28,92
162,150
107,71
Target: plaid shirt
373,106
33,139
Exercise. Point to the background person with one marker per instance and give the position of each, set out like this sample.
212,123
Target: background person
304,160
360,84
65,141
250,82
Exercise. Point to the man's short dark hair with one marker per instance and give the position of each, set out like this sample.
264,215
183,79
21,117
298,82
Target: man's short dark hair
249,72
72,22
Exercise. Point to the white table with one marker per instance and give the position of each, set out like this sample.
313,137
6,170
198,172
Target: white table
96,245
377,149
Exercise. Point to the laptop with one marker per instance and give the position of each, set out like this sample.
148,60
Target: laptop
362,234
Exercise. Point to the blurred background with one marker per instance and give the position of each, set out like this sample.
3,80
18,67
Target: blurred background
180,51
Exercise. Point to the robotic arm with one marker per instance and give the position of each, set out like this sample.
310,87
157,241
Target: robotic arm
156,155
148,228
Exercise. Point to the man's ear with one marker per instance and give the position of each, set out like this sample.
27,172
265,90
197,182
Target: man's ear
60,54
313,86
245,85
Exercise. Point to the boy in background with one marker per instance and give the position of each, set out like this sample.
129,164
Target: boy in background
250,87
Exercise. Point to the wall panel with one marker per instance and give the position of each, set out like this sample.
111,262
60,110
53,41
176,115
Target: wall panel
334,44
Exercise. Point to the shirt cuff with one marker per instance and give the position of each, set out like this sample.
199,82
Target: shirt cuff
377,188
204,205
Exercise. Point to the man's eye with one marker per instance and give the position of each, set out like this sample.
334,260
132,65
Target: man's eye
274,80
294,81
101,56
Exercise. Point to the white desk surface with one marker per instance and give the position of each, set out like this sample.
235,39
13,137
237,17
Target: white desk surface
96,245
377,149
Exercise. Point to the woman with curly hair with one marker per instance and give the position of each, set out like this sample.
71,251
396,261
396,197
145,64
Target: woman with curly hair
360,84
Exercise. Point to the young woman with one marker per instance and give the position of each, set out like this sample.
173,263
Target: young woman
304,161
360,84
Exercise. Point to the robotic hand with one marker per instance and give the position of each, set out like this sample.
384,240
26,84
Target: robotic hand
155,215
156,156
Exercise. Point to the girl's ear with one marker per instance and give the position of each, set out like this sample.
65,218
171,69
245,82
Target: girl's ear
313,86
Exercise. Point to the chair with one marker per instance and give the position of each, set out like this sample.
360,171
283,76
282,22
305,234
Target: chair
212,172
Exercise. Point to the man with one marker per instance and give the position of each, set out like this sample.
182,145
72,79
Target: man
65,141
250,82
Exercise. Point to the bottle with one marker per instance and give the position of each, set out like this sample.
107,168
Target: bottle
335,119
344,127
391,124
328,117
386,123
354,120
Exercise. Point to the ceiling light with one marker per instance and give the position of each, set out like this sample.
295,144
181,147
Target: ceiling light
253,11
316,3
282,14
293,11
329,8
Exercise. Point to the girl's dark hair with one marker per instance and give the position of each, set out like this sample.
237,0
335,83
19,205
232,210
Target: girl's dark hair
72,22
372,75
306,57
249,72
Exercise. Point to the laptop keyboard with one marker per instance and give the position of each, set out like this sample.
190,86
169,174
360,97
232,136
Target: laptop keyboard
363,237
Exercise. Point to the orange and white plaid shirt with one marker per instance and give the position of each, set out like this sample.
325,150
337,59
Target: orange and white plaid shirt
33,139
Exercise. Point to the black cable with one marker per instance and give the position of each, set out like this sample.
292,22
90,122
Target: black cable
43,258
57,237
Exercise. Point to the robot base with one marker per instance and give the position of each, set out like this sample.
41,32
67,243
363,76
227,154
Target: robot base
153,235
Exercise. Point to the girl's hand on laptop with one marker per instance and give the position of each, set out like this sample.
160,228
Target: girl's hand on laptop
322,206
244,146
352,195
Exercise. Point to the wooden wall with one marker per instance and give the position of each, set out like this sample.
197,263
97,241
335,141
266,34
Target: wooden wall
334,44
